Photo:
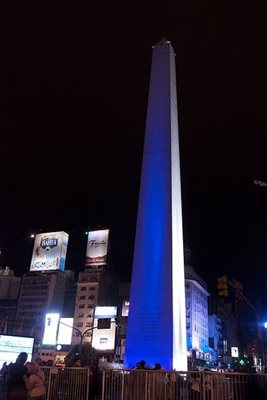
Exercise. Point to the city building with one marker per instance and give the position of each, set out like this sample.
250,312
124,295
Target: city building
9,284
215,336
96,286
86,300
223,328
197,322
41,293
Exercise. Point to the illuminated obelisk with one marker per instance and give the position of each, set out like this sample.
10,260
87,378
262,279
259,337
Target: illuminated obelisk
156,330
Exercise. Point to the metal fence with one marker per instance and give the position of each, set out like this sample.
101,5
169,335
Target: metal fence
67,383
165,385
62,384
122,384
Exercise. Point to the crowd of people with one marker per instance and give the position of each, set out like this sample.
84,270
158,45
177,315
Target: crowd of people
25,380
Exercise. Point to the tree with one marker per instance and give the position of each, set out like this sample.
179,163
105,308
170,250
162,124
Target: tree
84,353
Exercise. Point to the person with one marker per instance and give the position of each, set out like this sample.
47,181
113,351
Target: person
34,381
157,366
141,365
195,387
39,362
16,371
208,384
4,372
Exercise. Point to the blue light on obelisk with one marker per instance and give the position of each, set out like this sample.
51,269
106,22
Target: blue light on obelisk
156,330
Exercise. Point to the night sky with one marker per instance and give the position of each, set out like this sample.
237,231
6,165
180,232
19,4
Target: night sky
74,87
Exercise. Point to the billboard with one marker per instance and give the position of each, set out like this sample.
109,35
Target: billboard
234,352
125,308
104,339
11,346
65,331
49,251
51,328
97,248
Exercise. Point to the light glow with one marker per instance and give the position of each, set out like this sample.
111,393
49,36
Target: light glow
51,328
65,331
11,346
49,251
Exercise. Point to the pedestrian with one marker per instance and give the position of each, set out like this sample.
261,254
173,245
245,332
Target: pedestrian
141,365
4,372
195,386
35,382
16,373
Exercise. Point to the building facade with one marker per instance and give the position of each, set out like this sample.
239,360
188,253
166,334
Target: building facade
87,295
41,292
9,284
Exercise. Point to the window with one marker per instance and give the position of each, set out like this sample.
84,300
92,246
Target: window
92,288
88,324
81,305
91,297
82,297
83,288
80,315
79,324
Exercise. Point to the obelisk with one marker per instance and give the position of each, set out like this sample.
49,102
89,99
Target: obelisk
156,329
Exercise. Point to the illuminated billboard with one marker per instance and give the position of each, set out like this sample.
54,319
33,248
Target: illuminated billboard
234,352
125,308
65,331
49,252
97,248
51,328
104,339
11,346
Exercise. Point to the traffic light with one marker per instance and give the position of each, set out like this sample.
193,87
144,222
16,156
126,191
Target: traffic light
222,286
103,323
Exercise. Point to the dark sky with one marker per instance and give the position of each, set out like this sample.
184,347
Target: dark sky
74,86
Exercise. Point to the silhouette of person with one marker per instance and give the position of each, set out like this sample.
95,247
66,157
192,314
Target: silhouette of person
17,371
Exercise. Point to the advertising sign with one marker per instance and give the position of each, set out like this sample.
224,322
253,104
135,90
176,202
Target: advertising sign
125,308
12,346
65,331
51,328
234,352
104,339
49,252
97,248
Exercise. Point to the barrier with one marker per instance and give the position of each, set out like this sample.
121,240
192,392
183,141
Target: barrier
167,385
67,383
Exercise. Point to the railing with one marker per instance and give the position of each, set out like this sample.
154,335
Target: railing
163,385
67,383
122,384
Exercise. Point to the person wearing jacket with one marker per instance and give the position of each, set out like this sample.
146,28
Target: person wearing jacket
16,374
34,381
